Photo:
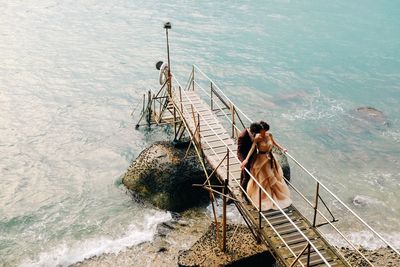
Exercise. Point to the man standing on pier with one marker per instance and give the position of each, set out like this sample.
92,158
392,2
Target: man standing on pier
244,142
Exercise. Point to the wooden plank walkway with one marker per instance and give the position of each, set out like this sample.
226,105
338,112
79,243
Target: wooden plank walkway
215,141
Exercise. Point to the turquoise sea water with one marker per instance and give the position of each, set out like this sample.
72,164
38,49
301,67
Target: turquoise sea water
72,72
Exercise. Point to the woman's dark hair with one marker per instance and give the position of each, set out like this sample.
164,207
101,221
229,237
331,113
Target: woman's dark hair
264,125
255,127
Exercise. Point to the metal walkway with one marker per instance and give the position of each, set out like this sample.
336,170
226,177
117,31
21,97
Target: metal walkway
216,146
204,115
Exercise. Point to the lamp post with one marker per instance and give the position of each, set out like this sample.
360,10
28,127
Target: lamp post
167,26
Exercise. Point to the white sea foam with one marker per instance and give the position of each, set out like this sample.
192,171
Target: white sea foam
393,134
66,254
278,16
315,107
232,213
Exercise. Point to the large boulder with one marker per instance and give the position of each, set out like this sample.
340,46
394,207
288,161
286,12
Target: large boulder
163,175
282,159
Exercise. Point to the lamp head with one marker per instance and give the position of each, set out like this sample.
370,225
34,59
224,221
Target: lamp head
158,65
167,25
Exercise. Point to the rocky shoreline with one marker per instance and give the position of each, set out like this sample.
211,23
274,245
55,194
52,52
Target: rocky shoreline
378,257
241,249
171,237
189,240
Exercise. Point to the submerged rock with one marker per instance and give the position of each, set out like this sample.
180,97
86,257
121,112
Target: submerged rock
162,175
360,200
372,115
370,112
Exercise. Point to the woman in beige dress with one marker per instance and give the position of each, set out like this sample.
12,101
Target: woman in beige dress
268,173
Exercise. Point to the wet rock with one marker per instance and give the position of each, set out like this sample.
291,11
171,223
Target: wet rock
168,225
241,250
162,249
163,229
162,175
282,159
360,201
183,223
370,112
372,115
379,257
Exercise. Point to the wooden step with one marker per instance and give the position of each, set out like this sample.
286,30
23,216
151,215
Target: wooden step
315,259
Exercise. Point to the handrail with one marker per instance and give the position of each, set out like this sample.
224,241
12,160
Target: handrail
308,202
222,92
302,167
218,106
328,221
341,202
236,181
262,189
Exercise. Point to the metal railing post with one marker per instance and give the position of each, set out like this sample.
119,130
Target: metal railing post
211,97
225,191
144,103
199,137
308,255
180,98
154,109
192,78
175,133
233,120
298,256
316,204
224,216
259,215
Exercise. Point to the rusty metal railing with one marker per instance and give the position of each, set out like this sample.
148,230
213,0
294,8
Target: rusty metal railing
235,118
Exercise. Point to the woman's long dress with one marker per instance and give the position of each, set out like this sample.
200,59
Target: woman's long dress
269,174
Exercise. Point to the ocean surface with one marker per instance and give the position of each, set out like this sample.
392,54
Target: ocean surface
72,72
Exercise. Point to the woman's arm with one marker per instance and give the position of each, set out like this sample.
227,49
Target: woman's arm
277,145
253,146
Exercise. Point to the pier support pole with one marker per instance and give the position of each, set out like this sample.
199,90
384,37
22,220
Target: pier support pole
259,216
149,112
224,192
224,217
